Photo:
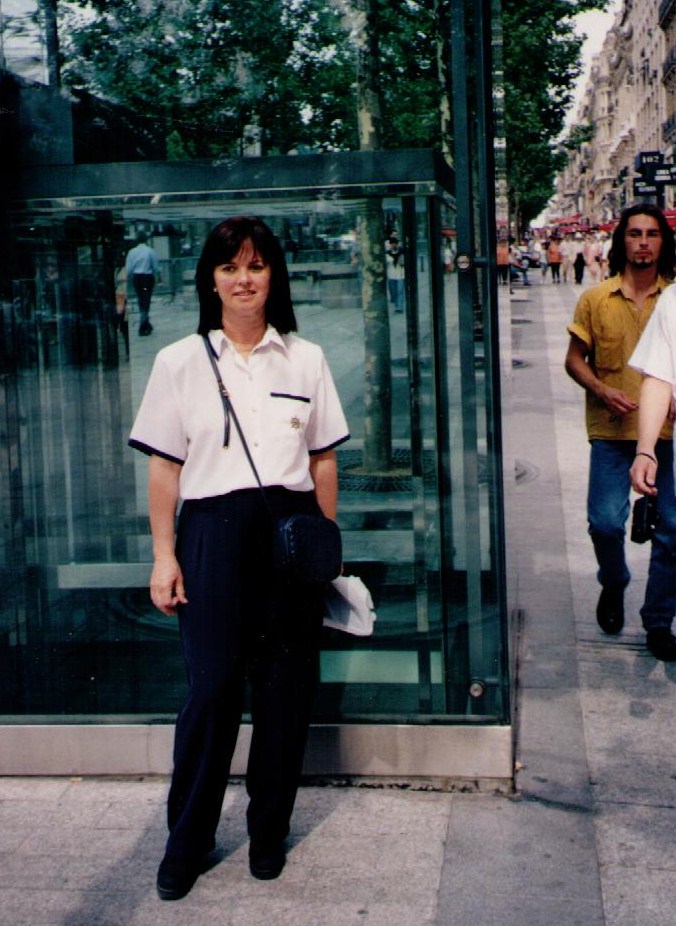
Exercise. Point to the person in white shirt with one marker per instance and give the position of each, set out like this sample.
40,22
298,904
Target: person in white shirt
237,618
143,269
655,357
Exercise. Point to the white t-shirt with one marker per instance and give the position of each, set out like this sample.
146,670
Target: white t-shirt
284,397
655,353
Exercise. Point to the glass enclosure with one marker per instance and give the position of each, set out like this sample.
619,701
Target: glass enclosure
420,493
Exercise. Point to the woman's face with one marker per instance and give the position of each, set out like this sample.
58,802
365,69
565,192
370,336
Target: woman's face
243,285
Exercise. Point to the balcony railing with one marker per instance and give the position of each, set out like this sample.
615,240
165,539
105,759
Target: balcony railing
665,13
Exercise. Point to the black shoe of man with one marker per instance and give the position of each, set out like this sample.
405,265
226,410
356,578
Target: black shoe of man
662,644
266,862
610,610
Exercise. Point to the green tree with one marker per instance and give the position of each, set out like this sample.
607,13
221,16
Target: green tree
542,60
411,84
578,136
206,69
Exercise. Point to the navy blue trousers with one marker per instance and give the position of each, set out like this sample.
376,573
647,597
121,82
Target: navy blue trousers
240,624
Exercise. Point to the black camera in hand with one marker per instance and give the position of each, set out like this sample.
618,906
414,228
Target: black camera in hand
644,518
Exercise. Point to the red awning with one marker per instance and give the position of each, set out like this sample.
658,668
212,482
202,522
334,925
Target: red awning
568,219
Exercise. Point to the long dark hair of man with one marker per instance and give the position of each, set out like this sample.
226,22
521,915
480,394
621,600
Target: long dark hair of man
617,259
223,243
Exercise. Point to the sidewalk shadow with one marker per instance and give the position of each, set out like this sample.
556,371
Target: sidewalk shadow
124,892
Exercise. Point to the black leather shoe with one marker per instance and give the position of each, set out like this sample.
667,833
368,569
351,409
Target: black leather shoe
610,610
266,862
662,644
176,878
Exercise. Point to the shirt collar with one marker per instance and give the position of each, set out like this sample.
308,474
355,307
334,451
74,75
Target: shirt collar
220,342
615,284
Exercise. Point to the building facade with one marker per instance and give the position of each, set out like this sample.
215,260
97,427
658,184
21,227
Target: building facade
629,112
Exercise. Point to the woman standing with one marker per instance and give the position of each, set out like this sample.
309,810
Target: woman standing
238,620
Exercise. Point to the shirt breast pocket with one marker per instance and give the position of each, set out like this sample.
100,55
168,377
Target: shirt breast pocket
609,354
290,416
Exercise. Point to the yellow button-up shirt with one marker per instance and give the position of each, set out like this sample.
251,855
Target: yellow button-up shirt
610,325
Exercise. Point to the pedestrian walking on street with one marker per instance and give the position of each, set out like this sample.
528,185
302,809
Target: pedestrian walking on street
143,269
608,322
239,619
554,255
503,261
578,259
592,257
567,253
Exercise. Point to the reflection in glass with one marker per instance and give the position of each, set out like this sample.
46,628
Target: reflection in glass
78,635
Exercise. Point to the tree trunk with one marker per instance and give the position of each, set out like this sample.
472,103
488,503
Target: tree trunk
48,9
443,52
377,455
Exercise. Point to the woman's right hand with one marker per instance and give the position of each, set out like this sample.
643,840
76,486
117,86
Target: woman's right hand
166,585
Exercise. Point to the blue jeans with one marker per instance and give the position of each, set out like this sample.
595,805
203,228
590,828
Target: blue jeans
608,508
396,288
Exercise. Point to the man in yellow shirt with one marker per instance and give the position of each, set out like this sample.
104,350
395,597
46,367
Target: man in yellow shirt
609,319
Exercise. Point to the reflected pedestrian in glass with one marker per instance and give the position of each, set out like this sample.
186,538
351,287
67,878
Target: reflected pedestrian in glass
394,257
143,269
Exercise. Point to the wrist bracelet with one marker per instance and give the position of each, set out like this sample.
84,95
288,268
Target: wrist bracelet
642,453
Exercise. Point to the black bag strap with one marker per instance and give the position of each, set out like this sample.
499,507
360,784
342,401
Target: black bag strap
229,412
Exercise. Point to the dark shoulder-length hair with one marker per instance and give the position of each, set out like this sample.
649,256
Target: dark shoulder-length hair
617,258
223,243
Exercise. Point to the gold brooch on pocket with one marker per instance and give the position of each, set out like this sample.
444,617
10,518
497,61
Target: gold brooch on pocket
296,423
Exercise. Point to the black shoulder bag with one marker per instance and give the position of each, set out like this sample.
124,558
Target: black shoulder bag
307,548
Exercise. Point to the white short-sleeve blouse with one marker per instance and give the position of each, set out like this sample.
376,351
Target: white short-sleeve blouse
284,397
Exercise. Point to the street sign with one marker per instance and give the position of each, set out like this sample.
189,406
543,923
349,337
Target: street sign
649,165
643,188
649,160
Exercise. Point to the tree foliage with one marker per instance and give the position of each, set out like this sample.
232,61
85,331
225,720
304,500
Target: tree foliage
542,60
202,71
205,69
578,135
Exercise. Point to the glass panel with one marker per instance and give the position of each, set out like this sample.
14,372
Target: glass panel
471,339
78,634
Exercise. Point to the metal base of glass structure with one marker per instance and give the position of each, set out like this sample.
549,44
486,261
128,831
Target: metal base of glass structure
471,757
